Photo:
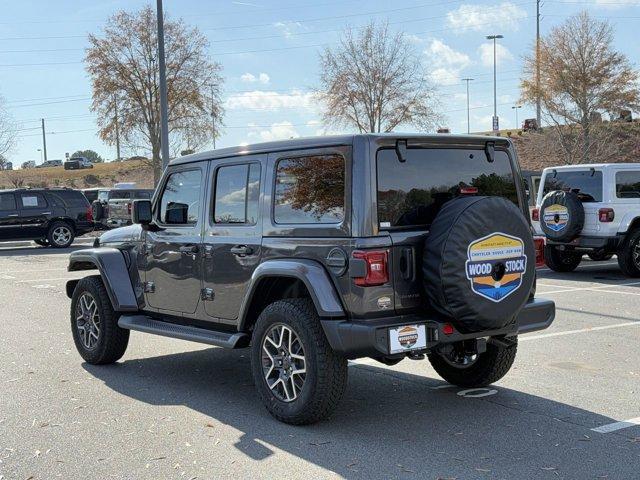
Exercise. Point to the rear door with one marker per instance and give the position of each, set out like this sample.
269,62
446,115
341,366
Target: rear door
233,236
35,213
411,193
9,218
173,251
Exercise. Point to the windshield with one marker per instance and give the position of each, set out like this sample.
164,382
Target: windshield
411,193
587,184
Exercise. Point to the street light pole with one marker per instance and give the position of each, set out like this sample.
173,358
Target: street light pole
538,108
516,108
496,126
467,80
164,124
44,141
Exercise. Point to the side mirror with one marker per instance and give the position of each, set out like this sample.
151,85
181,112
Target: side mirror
141,212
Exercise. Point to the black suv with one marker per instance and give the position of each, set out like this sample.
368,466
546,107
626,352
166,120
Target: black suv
315,251
50,217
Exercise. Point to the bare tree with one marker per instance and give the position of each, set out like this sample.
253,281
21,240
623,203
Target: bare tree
374,81
124,72
581,77
7,130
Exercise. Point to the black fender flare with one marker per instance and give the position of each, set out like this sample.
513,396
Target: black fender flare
113,269
311,273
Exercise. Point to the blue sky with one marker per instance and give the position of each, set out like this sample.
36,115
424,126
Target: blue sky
269,52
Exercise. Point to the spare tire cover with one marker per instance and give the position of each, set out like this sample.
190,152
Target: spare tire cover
561,216
479,262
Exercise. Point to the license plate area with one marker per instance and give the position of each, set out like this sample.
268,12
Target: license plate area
405,338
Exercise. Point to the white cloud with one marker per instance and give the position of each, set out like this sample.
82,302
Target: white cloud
447,63
485,51
269,100
288,28
277,131
251,78
479,17
617,3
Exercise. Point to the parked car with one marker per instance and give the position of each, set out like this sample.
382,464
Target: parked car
315,251
590,209
77,163
530,125
29,164
50,163
113,206
531,179
50,217
93,193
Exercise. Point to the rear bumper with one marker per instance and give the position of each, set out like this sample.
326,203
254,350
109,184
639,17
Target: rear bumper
370,338
591,243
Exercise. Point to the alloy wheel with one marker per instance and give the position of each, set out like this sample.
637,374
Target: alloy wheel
61,235
283,362
88,320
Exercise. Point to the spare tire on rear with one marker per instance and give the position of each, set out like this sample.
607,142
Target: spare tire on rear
479,262
561,216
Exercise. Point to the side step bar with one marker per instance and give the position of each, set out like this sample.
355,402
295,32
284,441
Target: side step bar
143,323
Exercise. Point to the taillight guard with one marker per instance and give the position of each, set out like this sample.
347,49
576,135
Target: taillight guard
606,215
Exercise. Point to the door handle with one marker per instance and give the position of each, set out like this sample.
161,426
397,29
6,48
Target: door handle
241,250
189,249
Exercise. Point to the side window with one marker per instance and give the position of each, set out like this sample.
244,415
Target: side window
628,184
310,190
237,194
7,201
180,202
32,200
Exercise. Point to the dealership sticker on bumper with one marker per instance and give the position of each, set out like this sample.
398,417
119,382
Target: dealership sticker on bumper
406,338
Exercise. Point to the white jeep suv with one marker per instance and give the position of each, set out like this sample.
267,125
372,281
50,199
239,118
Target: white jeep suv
590,209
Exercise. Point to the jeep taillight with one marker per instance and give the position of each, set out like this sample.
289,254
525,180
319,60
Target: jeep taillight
535,214
538,243
606,215
376,270
89,214
129,208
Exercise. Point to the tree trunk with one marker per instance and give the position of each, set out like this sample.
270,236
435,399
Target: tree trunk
586,138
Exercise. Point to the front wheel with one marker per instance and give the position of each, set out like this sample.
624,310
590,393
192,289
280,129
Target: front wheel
473,371
561,261
299,378
629,254
94,325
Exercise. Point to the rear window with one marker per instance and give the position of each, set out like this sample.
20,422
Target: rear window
587,184
411,193
143,195
628,184
119,195
69,198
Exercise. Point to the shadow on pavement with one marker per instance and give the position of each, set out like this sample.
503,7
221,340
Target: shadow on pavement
390,424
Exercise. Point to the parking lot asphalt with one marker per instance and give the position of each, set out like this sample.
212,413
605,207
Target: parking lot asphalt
569,408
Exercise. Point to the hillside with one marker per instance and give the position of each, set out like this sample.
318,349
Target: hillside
102,175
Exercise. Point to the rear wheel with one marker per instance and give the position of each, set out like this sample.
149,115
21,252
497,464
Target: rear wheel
94,325
629,254
60,235
560,261
299,378
472,371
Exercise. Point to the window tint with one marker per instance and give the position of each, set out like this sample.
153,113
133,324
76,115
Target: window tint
69,198
144,195
237,194
7,201
32,200
411,193
310,190
628,184
180,203
119,195
587,184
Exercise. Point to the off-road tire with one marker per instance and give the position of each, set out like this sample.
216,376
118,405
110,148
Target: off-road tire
326,376
489,367
560,261
53,235
112,340
43,242
630,246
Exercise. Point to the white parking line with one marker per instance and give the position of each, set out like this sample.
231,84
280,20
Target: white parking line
61,269
613,427
582,330
622,293
578,289
598,264
46,279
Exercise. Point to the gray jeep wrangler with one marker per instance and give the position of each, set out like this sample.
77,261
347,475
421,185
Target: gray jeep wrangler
311,252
